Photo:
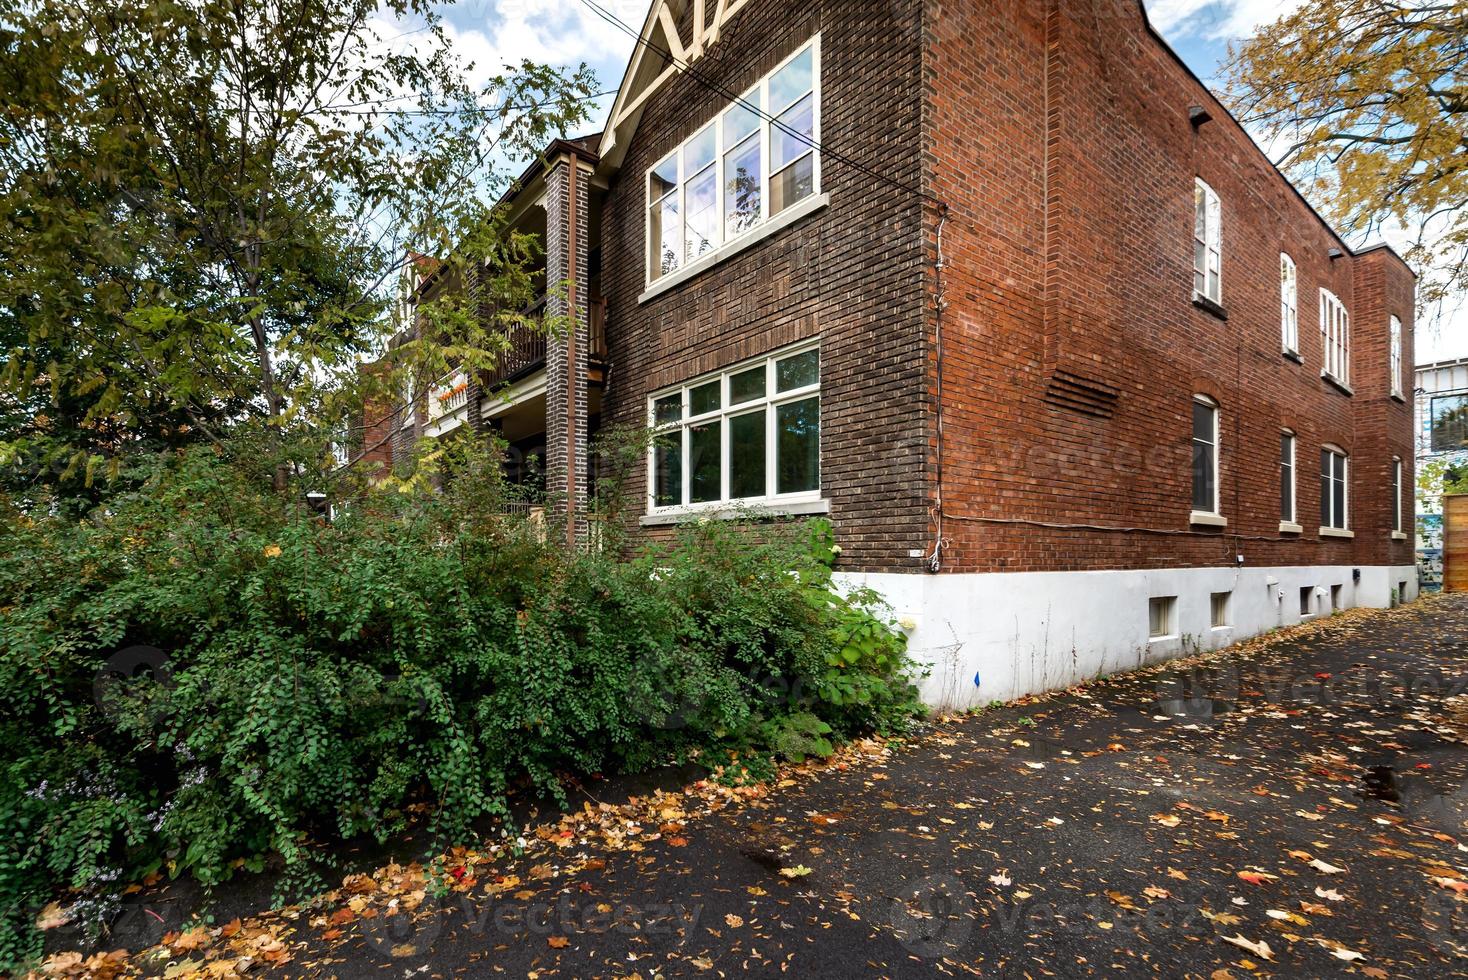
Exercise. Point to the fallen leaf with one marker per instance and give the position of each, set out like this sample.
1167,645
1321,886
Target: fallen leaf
1260,949
557,942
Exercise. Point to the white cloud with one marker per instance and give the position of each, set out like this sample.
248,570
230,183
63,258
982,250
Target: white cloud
1216,20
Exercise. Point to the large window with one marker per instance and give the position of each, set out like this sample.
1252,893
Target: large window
1205,455
1334,497
1396,356
1287,477
739,170
1335,335
1449,423
1289,299
1207,243
751,433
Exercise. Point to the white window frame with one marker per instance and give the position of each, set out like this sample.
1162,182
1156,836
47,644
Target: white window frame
760,95
1215,515
1395,328
1220,610
1340,524
1206,200
1397,495
1335,338
1292,521
1289,305
1168,607
771,401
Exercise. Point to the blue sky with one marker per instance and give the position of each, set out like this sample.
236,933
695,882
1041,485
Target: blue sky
567,32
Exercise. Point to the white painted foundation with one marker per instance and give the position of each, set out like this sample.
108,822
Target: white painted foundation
996,636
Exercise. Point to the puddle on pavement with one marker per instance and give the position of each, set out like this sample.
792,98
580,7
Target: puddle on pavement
1193,709
1380,783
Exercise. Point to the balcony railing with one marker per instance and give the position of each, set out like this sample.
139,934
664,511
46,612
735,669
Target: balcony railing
448,396
527,344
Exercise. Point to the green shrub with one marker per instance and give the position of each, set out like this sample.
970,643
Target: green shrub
317,678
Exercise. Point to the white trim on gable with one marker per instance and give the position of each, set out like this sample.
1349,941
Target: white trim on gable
660,30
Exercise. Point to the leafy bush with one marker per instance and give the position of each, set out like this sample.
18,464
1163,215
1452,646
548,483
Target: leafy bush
313,679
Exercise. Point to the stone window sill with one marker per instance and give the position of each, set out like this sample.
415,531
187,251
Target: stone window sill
1337,383
1292,355
728,250
1287,527
727,511
1202,519
1399,536
1209,306
1336,532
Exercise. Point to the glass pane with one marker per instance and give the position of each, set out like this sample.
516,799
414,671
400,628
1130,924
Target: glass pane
740,121
794,183
703,214
1286,494
786,142
747,385
743,181
747,455
1449,423
704,398
704,461
1339,498
1200,211
1325,489
665,236
1203,422
700,151
798,371
669,408
664,177
1204,497
798,445
791,82
668,469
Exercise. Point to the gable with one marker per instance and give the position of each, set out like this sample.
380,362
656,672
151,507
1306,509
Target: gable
650,69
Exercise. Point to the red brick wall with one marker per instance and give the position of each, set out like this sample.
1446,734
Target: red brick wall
852,273
1058,135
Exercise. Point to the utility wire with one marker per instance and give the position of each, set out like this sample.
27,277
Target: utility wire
718,89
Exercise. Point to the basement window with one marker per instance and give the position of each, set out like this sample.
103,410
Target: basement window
1219,603
1162,615
1307,600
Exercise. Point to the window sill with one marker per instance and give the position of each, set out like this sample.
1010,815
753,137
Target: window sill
1285,527
1337,383
730,511
1336,532
1399,536
779,222
1399,398
1200,518
1162,639
1220,629
1292,355
1209,306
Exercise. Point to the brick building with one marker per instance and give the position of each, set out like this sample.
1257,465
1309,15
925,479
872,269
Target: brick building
1080,379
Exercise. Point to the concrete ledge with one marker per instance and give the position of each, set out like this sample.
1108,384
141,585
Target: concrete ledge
1335,532
728,512
1204,519
1285,527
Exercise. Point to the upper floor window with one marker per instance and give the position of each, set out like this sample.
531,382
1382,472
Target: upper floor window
1334,498
750,433
1205,455
1335,335
1287,477
1207,243
1289,319
751,162
1396,356
1448,423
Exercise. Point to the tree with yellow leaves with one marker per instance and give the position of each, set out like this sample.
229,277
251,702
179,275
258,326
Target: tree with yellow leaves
1367,104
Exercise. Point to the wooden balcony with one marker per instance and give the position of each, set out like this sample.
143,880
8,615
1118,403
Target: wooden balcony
526,353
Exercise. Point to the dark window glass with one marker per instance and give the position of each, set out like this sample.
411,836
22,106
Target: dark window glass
798,446
668,409
704,398
1287,478
668,469
703,462
747,455
1205,475
798,371
746,386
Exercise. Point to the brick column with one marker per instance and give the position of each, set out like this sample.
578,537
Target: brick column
567,210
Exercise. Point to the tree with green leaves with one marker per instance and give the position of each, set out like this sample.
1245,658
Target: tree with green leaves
1368,102
207,209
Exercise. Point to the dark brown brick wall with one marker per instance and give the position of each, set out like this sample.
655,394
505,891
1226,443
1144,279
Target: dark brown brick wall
852,273
1058,136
